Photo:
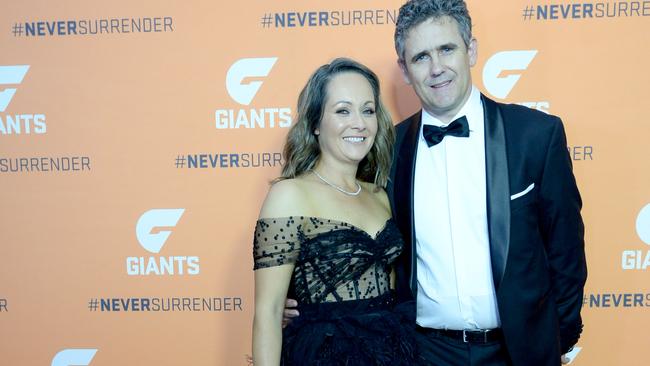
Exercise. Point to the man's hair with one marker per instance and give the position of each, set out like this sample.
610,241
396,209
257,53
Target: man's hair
414,12
301,150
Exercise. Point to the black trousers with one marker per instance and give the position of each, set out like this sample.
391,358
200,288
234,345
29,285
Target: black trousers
438,350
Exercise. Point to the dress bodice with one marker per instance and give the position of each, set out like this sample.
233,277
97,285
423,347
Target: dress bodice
334,260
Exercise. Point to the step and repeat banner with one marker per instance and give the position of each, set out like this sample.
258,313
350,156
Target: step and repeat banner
138,139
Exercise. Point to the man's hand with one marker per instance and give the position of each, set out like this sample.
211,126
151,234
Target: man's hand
290,312
565,359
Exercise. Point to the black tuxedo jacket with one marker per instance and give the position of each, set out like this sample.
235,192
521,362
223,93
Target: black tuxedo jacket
536,240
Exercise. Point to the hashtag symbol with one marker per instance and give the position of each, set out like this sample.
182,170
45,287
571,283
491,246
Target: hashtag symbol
180,161
266,20
529,11
92,304
17,29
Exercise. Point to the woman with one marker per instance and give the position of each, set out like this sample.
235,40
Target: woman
325,229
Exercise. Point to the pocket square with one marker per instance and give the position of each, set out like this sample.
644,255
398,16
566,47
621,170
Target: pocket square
525,191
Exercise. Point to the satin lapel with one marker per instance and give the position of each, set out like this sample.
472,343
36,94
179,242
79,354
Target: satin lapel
498,188
404,179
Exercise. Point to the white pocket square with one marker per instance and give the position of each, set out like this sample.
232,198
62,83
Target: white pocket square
525,191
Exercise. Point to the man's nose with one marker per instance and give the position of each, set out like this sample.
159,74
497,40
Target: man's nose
436,68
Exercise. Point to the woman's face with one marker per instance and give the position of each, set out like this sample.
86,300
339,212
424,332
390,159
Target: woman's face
349,124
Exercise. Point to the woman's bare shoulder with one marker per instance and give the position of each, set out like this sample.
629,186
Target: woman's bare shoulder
287,197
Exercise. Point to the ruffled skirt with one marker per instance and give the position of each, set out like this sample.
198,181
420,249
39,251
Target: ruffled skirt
352,333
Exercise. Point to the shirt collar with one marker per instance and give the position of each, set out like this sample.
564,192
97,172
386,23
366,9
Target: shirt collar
472,109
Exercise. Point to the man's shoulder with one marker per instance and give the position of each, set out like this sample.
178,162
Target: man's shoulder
404,124
402,127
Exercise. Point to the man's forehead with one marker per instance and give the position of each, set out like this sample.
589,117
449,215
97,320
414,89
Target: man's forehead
418,38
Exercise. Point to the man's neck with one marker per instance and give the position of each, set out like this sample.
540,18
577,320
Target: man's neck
445,117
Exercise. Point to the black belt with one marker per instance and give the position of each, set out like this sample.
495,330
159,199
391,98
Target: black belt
466,336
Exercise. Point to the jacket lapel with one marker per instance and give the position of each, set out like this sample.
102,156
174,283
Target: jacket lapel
404,181
498,188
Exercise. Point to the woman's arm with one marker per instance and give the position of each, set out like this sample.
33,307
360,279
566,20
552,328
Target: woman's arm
271,285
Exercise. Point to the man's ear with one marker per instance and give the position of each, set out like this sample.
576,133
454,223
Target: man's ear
402,66
472,51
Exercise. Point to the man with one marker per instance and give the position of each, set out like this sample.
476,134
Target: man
490,213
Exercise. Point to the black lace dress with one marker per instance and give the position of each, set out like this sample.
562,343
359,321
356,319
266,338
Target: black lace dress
341,280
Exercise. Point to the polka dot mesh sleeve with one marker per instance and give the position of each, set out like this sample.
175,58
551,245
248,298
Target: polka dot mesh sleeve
276,242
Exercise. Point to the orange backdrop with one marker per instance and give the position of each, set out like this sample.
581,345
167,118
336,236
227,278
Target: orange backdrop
137,140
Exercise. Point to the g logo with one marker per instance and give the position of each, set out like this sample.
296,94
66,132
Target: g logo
156,218
243,93
643,224
74,357
10,75
500,87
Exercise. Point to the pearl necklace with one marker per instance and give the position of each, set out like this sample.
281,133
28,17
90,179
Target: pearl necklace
339,188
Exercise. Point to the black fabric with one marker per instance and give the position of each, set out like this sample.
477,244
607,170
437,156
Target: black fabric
334,260
498,198
438,350
341,279
434,134
356,332
466,336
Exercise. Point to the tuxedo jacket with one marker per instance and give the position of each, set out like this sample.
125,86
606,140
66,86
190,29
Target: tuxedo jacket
536,238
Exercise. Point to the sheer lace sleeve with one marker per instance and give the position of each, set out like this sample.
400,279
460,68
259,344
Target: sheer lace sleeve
276,241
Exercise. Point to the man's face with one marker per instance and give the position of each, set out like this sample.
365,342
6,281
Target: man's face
437,64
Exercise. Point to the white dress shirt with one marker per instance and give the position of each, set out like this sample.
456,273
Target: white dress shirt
455,286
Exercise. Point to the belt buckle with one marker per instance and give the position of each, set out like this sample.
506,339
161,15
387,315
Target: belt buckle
484,331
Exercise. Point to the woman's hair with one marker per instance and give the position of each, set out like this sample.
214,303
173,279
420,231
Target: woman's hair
301,151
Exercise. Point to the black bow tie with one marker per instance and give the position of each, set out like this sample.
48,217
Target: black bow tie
434,134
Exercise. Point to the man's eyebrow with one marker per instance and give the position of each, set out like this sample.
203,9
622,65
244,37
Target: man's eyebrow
451,45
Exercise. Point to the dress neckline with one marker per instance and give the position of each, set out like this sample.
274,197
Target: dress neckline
355,227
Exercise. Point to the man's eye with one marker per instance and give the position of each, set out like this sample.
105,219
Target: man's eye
421,58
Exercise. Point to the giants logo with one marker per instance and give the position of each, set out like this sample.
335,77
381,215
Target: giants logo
639,259
153,243
10,75
498,85
643,224
21,123
152,219
507,62
74,357
242,90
